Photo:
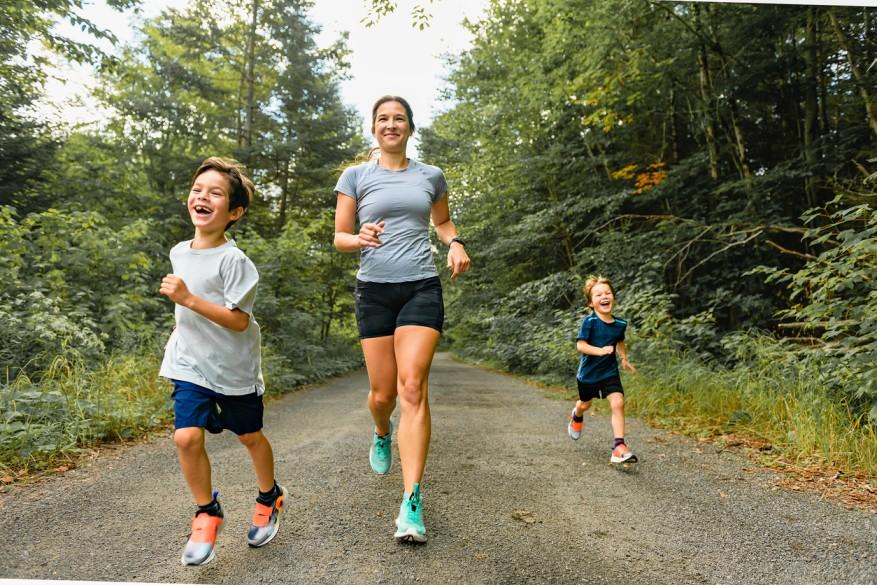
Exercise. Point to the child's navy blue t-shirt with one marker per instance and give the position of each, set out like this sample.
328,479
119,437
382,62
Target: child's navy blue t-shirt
594,331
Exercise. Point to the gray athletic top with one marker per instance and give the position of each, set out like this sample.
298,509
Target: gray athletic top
201,351
403,200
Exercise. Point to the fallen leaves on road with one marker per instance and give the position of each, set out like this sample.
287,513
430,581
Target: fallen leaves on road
524,516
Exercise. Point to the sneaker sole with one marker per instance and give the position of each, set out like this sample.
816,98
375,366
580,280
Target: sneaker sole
276,524
631,459
409,536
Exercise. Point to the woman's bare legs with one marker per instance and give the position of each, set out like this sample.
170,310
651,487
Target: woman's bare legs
380,362
414,348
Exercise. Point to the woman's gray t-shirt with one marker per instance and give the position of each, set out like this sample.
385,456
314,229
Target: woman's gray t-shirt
403,200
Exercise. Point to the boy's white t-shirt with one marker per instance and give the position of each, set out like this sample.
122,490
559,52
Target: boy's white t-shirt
201,351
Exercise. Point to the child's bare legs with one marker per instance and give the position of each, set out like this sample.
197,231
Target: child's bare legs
581,407
616,404
263,458
194,462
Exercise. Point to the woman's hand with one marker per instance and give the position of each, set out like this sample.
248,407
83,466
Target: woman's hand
369,234
458,259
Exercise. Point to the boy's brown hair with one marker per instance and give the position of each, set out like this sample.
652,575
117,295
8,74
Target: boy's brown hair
241,187
593,281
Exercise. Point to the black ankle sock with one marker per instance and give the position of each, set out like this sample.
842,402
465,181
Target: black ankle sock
267,498
578,418
213,509
617,441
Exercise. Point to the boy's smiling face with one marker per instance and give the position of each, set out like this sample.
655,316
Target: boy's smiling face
208,203
602,299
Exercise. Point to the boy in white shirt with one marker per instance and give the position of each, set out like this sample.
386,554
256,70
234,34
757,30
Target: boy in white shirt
213,356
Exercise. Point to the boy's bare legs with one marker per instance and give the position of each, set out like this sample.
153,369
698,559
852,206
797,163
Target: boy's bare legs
263,458
194,463
380,362
581,407
616,405
415,346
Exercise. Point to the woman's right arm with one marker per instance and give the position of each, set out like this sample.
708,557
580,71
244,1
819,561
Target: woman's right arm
345,221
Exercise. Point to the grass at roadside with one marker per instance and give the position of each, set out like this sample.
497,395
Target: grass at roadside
73,408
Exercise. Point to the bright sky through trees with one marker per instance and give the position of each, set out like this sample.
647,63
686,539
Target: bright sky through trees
390,57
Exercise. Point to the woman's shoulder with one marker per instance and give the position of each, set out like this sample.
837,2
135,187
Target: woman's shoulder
359,168
429,170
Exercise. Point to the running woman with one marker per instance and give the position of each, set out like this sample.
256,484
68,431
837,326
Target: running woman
399,307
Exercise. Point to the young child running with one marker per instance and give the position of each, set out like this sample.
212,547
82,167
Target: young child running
600,338
213,356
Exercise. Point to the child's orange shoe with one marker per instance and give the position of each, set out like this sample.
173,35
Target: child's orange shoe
200,549
266,521
625,457
574,428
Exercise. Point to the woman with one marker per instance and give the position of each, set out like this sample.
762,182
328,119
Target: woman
399,309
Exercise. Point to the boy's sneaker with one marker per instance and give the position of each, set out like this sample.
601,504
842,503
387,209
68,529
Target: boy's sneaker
574,428
409,523
200,549
266,521
627,457
379,456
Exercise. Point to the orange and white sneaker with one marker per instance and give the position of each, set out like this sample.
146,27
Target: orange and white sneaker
200,549
574,428
622,455
266,521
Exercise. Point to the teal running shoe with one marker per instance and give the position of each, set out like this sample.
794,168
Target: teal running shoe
409,524
379,456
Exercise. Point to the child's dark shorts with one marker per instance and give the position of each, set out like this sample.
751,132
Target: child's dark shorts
196,406
600,389
383,306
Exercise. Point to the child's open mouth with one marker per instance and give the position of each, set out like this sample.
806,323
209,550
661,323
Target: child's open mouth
201,210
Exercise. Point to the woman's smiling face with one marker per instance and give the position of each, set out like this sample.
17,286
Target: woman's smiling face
391,127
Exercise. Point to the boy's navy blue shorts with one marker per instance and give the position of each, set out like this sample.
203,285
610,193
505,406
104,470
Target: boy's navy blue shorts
197,406
383,306
600,389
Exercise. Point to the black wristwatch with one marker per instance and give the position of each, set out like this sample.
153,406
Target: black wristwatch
459,240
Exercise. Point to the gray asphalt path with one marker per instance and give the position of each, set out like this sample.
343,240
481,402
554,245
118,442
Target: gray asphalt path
509,498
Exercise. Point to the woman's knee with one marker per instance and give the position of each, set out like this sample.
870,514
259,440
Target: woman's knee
412,391
189,438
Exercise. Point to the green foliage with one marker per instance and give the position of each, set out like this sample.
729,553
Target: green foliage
834,298
74,407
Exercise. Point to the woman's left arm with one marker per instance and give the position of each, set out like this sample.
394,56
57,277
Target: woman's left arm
458,260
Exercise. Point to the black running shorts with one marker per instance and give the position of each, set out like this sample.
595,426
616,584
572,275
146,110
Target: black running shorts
600,389
383,306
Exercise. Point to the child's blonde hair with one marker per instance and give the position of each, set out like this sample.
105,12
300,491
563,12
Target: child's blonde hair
593,281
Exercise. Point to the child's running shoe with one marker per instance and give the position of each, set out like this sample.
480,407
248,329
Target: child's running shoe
574,428
379,456
409,523
627,457
201,547
266,521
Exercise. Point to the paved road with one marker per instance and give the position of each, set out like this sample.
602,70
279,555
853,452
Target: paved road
509,498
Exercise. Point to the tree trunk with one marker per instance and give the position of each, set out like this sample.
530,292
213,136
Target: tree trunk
251,79
870,107
811,109
706,96
284,193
